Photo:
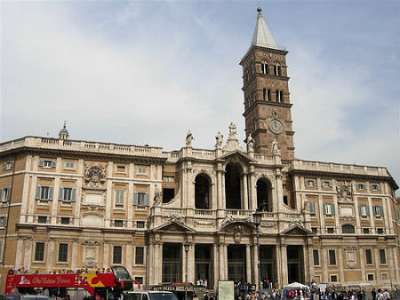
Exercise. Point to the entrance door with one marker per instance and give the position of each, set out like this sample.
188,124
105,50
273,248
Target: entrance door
204,264
295,264
172,263
267,264
237,263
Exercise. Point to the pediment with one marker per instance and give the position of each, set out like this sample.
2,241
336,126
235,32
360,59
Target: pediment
237,156
296,230
173,226
234,226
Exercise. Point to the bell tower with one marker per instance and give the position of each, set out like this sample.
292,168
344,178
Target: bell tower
266,93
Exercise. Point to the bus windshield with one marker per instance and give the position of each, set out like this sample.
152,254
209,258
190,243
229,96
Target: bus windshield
163,296
121,273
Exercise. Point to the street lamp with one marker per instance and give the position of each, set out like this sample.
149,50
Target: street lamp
257,221
186,245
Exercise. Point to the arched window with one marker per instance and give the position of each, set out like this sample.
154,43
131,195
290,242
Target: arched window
202,192
233,195
348,228
264,195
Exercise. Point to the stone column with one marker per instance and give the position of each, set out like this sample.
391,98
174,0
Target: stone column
130,205
150,264
51,254
340,262
28,246
396,263
245,193
74,255
362,263
252,189
191,263
109,196
256,265
158,262
284,264
25,192
324,264
32,200
278,262
306,263
278,195
19,258
377,265
248,264
78,201
321,216
216,265
311,262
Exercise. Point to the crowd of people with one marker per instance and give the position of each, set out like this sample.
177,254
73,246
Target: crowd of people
60,271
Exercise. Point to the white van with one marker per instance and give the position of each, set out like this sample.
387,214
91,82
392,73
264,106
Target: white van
149,295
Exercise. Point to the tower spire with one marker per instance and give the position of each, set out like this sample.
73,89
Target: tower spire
262,36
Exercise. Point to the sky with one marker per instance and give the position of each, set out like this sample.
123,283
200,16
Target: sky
144,72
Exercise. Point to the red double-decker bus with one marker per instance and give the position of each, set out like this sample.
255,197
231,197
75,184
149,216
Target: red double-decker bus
96,284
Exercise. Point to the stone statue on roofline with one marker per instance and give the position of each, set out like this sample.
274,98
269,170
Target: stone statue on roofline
189,139
219,140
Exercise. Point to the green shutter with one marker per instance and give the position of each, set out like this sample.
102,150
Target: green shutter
37,196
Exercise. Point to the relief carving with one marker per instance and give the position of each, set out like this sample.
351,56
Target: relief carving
344,191
95,176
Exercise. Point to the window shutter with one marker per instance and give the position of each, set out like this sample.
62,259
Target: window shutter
325,209
37,192
41,163
381,210
2,193
312,207
146,199
135,199
53,164
333,209
367,210
61,194
51,190
73,194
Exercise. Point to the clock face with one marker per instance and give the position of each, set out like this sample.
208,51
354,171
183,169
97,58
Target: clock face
276,126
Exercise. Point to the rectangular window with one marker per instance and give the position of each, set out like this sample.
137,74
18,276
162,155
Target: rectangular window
139,255
281,96
326,184
316,257
380,231
329,209
141,199
333,278
63,252
119,223
370,277
140,224
141,170
382,256
67,194
330,230
3,221
47,163
264,94
365,230
378,211
65,220
42,219
39,251
364,211
5,195
44,193
119,198
368,256
375,187
269,95
314,229
117,255
69,165
332,256
311,208
121,168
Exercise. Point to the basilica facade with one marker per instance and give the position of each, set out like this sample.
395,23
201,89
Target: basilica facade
246,211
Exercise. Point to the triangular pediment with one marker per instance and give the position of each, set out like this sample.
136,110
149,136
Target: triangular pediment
296,230
173,226
231,225
237,155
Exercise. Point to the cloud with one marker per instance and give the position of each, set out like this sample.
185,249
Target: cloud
139,73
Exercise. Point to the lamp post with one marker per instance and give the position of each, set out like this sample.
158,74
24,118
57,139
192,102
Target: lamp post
257,221
186,245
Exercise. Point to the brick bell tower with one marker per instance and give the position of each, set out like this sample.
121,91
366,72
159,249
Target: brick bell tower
266,93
